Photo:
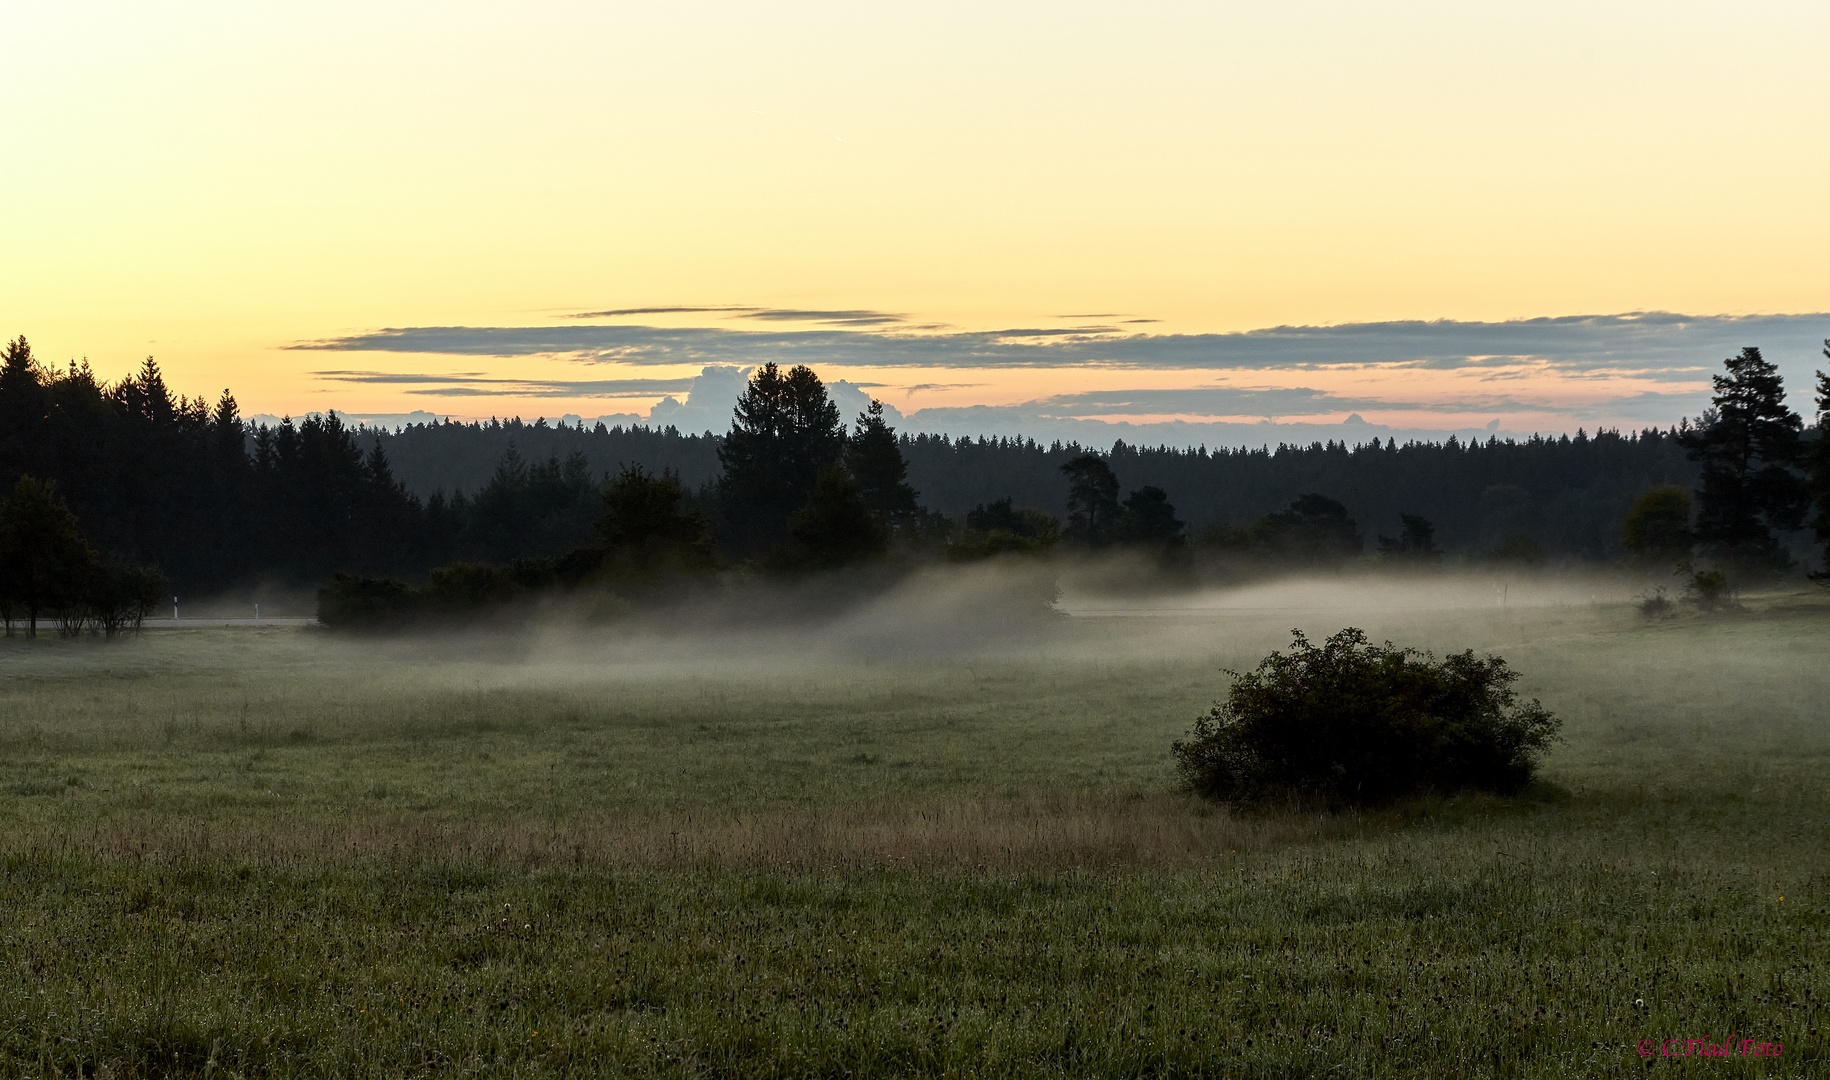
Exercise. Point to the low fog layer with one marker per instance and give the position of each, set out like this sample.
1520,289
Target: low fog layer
993,613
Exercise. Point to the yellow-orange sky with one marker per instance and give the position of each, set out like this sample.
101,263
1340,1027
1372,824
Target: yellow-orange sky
212,182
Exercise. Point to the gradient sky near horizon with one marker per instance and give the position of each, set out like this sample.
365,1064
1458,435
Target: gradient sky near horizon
1074,209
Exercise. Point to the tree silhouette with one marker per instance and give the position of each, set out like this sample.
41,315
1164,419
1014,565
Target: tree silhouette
874,459
118,598
1092,500
24,404
1820,472
43,558
1313,530
1657,528
1148,519
653,542
1416,543
1748,446
834,528
997,528
784,433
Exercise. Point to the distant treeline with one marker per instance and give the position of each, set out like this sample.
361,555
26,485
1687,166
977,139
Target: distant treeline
1565,495
181,485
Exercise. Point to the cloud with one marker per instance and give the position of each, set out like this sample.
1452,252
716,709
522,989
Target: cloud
1624,370
1263,401
1636,343
471,384
914,388
618,312
1021,421
841,318
848,317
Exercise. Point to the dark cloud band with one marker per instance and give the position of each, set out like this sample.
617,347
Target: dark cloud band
1640,343
471,384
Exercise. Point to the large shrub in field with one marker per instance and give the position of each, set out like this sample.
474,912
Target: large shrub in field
1350,723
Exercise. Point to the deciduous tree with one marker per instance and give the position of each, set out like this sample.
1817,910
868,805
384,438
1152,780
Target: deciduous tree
1656,530
43,559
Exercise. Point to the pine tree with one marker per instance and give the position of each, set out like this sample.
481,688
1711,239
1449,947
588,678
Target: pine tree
1820,472
784,433
1748,446
24,403
1092,500
874,459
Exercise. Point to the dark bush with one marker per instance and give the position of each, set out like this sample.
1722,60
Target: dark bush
1353,724
350,602
119,597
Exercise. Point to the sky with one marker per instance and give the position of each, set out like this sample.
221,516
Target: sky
1210,221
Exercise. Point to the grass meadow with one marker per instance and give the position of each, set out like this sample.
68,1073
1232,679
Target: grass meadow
871,850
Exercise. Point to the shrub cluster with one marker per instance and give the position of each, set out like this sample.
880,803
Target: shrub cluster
1348,723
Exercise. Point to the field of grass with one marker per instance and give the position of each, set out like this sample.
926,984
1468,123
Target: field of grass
278,853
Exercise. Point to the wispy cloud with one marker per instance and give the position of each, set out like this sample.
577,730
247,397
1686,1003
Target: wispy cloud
406,377
1255,401
916,388
844,317
472,384
837,318
615,313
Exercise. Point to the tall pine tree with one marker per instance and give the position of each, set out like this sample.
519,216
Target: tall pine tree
784,433
1092,500
1748,446
1820,472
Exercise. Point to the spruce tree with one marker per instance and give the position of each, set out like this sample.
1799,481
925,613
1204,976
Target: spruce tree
1820,472
1748,446
1092,500
784,433
24,402
874,459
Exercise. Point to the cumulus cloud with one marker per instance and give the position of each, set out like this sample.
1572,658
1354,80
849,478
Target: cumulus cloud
712,395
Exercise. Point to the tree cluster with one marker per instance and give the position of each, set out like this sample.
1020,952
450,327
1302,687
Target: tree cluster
47,571
1759,478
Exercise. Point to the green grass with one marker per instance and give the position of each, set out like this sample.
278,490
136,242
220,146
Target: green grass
276,853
